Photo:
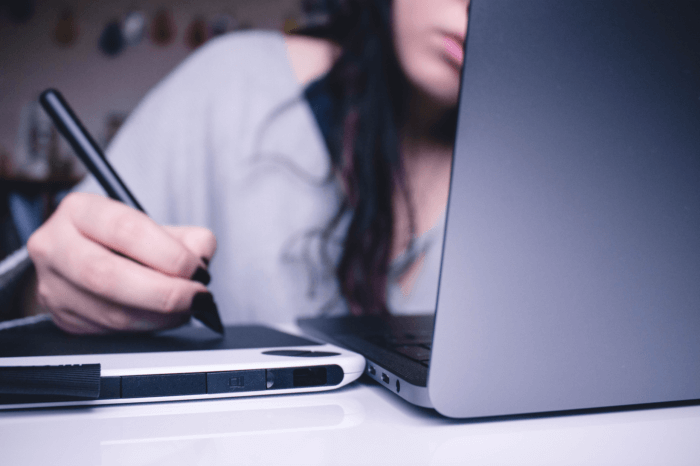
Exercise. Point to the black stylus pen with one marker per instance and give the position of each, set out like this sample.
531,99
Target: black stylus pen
203,306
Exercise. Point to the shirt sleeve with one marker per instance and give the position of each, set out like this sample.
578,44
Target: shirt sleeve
184,141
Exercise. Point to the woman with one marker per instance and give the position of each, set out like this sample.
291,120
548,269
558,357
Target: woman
321,164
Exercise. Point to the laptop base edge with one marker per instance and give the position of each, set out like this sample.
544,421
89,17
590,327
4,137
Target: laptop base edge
414,394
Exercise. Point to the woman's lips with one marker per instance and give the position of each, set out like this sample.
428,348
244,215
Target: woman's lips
453,49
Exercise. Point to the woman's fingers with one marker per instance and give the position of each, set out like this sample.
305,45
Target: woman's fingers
79,311
90,288
131,233
200,241
72,323
91,315
97,270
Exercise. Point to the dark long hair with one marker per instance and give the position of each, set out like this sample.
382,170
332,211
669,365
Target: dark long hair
368,103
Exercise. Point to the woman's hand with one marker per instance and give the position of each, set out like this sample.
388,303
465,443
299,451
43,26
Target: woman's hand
102,267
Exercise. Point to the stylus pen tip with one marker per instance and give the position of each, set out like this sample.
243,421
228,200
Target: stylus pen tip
204,310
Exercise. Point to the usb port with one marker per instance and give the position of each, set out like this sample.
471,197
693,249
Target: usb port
385,378
371,370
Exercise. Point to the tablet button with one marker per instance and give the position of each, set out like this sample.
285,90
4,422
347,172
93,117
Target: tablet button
300,353
235,381
144,386
286,352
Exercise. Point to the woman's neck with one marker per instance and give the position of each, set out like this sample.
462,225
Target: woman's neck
426,120
426,150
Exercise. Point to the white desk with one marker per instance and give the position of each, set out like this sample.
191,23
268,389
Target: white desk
360,424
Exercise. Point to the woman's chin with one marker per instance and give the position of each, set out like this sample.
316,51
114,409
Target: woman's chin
443,89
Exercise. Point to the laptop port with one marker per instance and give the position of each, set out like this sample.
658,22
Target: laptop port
385,378
309,377
398,386
371,370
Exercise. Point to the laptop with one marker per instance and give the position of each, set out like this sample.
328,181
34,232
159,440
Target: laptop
41,366
571,258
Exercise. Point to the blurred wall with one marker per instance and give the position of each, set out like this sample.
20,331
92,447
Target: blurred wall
95,84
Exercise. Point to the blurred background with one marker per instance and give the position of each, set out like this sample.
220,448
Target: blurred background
103,57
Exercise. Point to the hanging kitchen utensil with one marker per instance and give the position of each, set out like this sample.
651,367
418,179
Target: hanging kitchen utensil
196,33
221,24
111,40
133,27
66,31
162,28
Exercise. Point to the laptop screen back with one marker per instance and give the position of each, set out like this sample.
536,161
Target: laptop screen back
572,251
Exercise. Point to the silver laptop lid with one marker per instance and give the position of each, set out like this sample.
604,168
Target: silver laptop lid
571,264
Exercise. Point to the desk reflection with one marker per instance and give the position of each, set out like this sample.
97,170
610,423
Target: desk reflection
177,433
362,423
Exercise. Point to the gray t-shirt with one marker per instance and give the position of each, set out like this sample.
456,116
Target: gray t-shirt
227,141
